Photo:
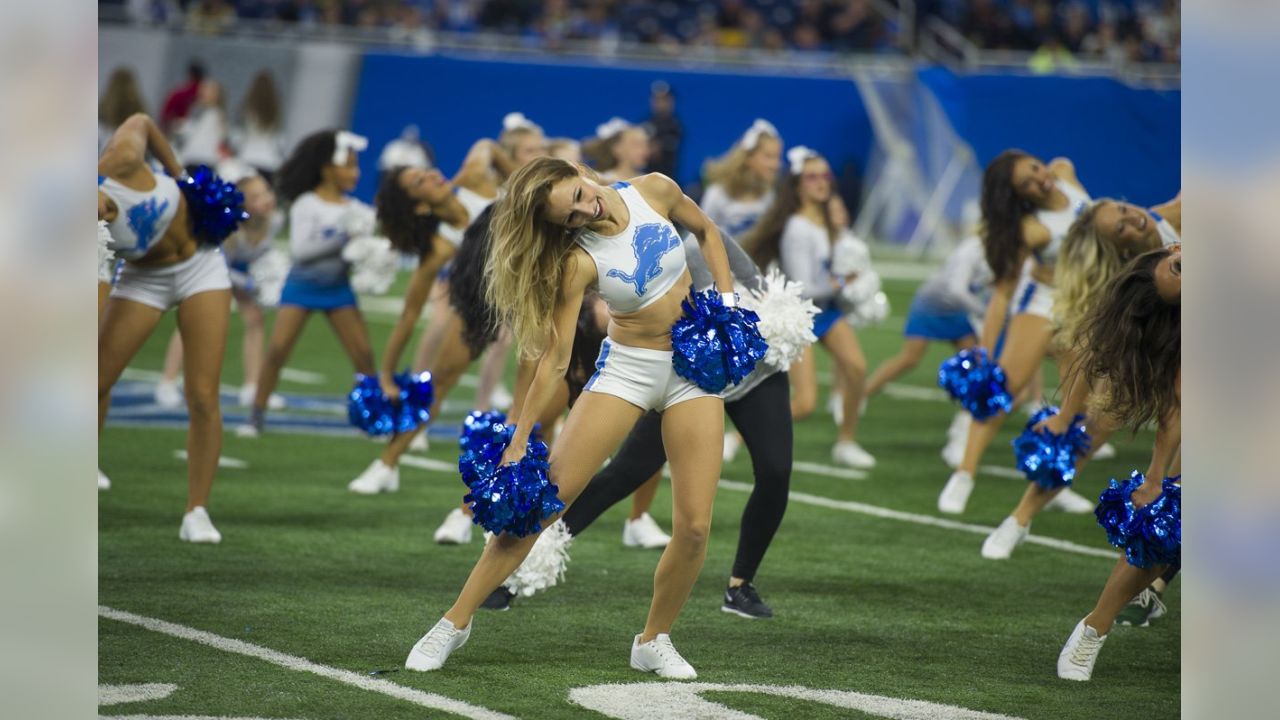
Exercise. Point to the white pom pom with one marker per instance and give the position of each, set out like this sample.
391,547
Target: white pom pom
786,318
850,256
871,312
106,258
268,273
546,564
374,264
358,219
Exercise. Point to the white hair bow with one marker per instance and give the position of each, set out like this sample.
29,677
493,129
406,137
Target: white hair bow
797,156
752,136
345,142
516,120
611,128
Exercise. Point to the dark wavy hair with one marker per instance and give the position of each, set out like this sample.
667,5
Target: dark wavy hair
1002,213
763,242
261,103
468,289
409,231
301,172
1130,344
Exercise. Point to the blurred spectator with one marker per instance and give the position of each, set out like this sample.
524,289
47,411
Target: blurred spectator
178,105
211,16
1051,57
121,99
203,135
665,131
259,140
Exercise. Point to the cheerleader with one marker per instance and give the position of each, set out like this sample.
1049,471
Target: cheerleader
799,233
619,150
740,184
121,100
316,181
251,242
259,140
203,135
1027,207
1105,237
1132,345
555,234
165,266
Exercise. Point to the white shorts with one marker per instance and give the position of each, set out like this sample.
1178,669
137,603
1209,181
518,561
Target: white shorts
165,287
1032,297
643,377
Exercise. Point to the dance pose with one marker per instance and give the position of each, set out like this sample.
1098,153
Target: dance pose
165,266
1027,208
799,233
248,244
740,184
1132,346
556,233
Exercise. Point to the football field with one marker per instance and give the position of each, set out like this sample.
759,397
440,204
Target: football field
883,607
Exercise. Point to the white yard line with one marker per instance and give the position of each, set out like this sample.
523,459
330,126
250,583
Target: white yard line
223,460
828,471
293,662
305,377
119,694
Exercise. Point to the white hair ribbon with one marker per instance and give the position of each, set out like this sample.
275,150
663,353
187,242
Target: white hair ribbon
759,128
517,120
797,156
611,128
345,142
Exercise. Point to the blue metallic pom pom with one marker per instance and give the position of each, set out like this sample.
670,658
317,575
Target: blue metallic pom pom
215,205
370,410
1047,459
976,382
1150,535
715,346
513,498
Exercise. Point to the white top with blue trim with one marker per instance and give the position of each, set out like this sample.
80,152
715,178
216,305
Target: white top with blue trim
317,233
1058,222
730,215
640,264
1168,236
142,217
475,204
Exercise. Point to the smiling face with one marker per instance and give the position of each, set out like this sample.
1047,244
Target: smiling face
632,148
815,181
1129,227
1168,277
1032,181
766,158
345,176
575,202
424,186
259,200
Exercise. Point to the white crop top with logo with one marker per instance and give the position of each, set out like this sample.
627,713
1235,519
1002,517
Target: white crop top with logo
142,216
1058,222
1168,236
640,264
475,204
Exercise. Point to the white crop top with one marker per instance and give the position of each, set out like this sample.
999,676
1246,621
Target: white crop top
1058,222
475,204
640,264
1168,236
142,217
733,216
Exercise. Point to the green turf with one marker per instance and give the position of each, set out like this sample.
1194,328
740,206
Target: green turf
863,604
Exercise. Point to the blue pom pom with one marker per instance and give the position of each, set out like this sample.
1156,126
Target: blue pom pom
1047,459
715,346
216,207
512,498
1150,535
976,382
370,410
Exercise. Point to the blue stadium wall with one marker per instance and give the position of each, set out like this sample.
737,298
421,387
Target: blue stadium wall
1125,141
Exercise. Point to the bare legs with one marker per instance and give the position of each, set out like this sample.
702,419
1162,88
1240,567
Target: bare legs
202,321
642,498
1125,582
843,345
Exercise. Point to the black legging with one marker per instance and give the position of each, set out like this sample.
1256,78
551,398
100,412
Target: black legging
763,417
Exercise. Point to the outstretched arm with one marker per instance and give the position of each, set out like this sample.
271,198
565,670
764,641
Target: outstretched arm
415,298
681,209
126,152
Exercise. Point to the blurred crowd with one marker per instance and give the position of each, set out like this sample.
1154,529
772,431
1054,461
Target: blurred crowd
1110,30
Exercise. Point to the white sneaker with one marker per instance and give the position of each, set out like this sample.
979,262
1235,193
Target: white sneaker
198,528
953,452
835,406
248,430
644,532
999,544
430,652
419,443
661,657
501,398
377,478
850,453
104,482
275,401
960,425
732,443
955,495
168,395
1105,452
1076,660
1070,501
455,530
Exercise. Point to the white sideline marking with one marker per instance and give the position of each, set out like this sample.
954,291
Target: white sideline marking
886,513
890,270
178,717
1003,472
119,694
305,377
151,376
903,391
292,662
427,463
684,701
223,460
835,472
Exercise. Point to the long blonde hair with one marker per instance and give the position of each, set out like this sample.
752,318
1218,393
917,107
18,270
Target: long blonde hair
121,99
528,253
1085,265
731,171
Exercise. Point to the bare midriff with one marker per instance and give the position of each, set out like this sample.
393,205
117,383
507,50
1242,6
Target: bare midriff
650,326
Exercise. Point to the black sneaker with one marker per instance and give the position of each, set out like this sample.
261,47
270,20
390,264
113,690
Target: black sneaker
499,599
745,602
